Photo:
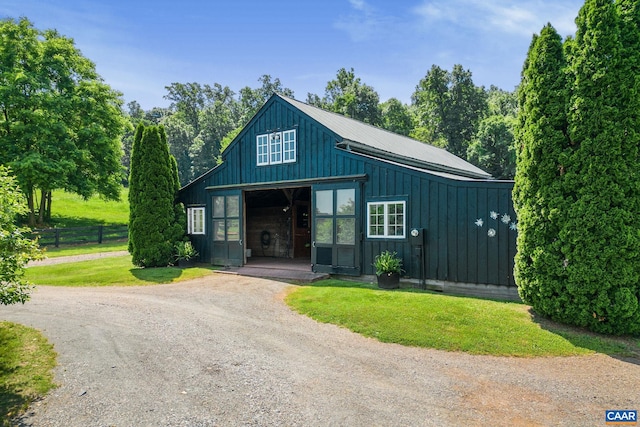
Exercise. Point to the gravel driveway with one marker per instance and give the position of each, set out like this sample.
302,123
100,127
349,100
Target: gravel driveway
226,350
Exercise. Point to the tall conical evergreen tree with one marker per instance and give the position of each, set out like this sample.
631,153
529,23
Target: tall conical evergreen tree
600,237
134,189
538,191
577,189
153,230
180,225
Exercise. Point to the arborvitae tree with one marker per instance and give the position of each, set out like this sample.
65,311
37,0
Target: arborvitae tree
579,203
153,229
541,150
178,230
134,179
600,234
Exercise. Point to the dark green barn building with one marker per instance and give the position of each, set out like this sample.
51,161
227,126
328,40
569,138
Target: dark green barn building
299,182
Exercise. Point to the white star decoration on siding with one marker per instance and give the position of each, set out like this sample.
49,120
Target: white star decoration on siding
504,218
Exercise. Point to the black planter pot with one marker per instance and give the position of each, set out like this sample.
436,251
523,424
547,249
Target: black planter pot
186,263
389,281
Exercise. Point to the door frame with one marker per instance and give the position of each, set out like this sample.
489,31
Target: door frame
320,251
227,219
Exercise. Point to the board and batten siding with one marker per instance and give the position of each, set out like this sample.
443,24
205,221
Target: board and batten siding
457,249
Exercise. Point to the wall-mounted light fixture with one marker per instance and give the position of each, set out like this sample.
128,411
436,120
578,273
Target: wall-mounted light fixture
275,136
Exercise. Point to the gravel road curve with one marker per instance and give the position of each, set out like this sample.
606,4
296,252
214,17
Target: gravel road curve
226,351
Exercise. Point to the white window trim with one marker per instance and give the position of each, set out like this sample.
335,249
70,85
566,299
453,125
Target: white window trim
386,219
295,146
262,141
275,146
192,220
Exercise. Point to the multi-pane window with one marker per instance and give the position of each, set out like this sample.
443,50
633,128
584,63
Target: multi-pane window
226,218
386,219
289,146
195,220
276,147
262,145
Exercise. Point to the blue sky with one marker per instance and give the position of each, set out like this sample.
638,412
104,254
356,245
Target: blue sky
140,47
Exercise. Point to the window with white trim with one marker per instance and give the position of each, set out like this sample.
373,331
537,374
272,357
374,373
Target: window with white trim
276,148
289,146
386,220
195,220
262,144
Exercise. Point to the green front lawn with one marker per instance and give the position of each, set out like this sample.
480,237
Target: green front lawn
26,369
425,319
116,271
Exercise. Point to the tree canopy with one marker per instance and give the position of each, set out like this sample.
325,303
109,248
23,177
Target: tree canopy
447,110
61,125
201,116
449,107
347,95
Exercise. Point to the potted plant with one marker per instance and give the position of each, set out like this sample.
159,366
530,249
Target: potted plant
388,269
185,254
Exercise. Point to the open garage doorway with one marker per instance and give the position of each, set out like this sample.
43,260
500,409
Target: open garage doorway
278,225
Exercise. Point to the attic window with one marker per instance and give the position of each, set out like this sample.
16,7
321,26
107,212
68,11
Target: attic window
276,148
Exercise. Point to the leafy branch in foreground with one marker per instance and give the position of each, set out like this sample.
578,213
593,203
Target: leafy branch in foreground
16,250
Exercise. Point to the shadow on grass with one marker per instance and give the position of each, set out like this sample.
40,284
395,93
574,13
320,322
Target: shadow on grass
157,274
624,348
11,405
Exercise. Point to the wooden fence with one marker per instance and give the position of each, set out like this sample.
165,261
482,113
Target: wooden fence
79,235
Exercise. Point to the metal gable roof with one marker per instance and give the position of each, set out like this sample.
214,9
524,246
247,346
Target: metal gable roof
362,137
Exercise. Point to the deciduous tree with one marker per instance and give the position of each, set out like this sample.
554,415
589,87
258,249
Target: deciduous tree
347,95
449,108
61,125
396,117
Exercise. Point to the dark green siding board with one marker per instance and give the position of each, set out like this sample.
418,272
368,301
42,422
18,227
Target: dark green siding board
443,226
450,218
503,241
492,244
473,233
462,214
483,212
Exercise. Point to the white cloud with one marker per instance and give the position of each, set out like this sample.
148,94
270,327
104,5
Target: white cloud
522,18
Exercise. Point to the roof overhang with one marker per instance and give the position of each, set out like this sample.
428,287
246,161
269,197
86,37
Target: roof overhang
372,151
290,183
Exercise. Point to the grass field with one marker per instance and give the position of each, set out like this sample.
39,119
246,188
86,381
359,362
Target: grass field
52,252
116,271
71,210
26,364
424,319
